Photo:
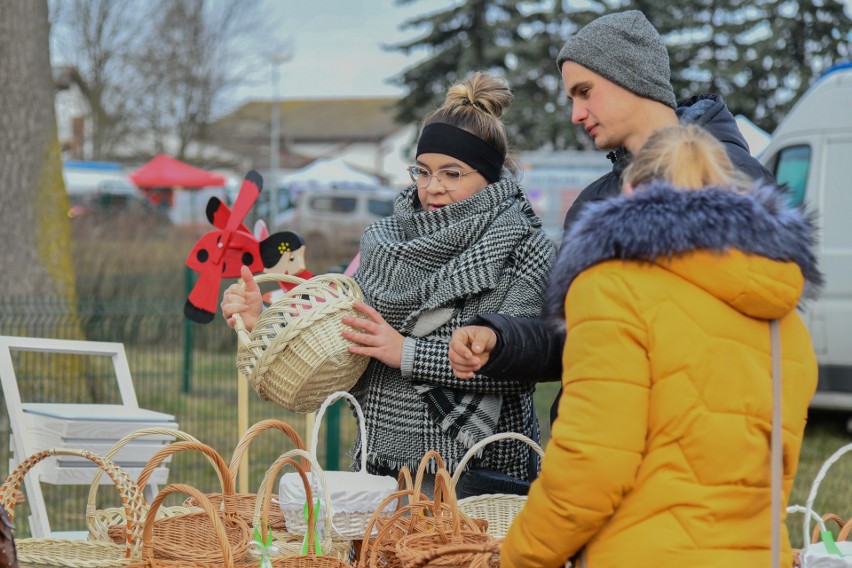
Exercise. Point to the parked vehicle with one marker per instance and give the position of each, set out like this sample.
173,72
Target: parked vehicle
332,219
811,153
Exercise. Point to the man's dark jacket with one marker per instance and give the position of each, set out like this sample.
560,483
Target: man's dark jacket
530,349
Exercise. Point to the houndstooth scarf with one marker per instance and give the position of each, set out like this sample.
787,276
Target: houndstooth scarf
417,262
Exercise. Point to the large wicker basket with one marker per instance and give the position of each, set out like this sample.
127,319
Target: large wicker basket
498,509
108,524
190,536
296,356
76,553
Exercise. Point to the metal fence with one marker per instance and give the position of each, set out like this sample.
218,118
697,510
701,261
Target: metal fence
178,368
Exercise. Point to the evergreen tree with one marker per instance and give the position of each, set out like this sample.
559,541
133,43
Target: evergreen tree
760,55
517,40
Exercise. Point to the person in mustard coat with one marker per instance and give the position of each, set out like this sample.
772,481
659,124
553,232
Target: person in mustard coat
660,455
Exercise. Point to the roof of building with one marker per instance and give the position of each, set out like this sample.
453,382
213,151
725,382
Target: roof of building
314,120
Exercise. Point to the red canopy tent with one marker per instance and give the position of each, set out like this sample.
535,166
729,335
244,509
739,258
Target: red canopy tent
161,174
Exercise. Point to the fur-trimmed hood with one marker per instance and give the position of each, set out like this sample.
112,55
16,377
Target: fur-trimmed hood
658,223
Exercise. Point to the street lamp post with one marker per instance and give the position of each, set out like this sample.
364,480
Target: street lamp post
275,133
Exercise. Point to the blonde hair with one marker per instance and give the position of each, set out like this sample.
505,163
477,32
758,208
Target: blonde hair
687,157
476,105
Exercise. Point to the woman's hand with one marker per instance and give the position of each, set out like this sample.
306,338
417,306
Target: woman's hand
374,337
247,301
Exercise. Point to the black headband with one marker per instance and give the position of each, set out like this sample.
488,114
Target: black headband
440,138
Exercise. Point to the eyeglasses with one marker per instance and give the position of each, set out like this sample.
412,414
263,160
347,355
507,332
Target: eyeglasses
448,178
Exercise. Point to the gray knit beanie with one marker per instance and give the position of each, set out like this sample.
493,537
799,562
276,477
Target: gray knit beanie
626,49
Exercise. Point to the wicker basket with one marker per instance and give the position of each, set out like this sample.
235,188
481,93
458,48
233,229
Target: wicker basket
412,547
198,555
819,527
287,549
186,537
415,517
245,502
296,356
355,494
108,524
77,553
478,556
498,509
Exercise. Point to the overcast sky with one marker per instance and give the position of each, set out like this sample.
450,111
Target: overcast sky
337,47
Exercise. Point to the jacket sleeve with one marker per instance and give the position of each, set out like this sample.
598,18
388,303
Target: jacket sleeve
524,287
528,349
598,440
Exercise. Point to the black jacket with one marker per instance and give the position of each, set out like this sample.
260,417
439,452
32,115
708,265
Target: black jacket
530,349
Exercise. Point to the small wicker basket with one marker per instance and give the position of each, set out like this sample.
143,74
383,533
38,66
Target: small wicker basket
245,502
190,537
411,548
415,517
76,553
108,524
478,555
498,509
287,551
198,555
354,494
296,356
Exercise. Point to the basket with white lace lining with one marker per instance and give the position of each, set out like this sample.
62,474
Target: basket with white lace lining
354,495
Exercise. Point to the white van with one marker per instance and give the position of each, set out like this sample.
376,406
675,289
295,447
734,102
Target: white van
811,152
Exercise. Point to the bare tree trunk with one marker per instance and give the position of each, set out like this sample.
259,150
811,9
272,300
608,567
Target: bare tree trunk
35,233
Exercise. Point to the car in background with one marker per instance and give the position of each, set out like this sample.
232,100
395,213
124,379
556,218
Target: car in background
332,220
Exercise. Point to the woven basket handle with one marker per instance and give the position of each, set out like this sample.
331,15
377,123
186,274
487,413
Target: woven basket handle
228,487
445,495
488,550
809,505
421,470
131,496
91,504
239,325
397,496
264,492
262,503
204,503
832,517
471,453
403,480
254,432
362,424
847,528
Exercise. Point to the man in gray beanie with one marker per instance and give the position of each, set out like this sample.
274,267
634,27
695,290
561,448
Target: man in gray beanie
616,73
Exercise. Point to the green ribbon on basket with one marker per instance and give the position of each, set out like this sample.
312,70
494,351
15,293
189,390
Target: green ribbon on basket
830,546
317,546
263,547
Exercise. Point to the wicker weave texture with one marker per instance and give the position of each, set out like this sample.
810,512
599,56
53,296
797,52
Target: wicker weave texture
108,524
187,537
198,554
296,356
75,553
498,509
412,547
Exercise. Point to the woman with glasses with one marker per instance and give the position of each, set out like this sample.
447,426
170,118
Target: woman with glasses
462,240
